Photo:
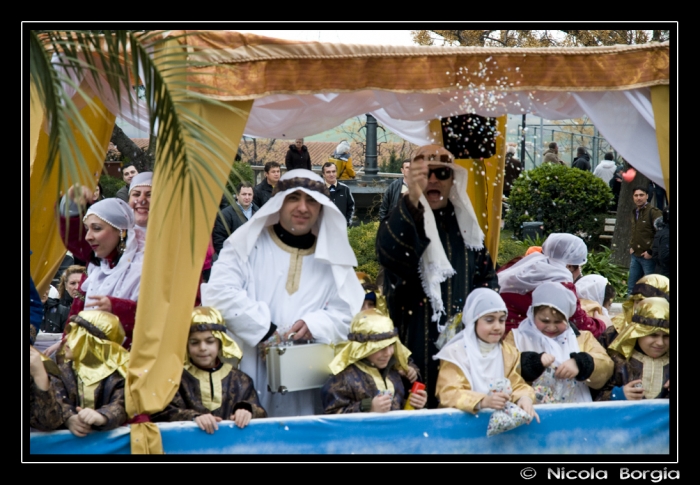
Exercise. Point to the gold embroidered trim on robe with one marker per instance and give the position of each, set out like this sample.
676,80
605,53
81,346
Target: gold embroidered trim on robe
296,258
653,373
206,379
377,377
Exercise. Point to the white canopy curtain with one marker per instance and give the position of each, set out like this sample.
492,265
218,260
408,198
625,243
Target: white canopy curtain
624,118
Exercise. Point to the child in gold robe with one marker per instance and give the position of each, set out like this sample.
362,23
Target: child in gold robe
211,389
476,357
641,356
91,385
370,369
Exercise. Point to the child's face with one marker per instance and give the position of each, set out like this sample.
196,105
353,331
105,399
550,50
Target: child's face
550,322
491,327
654,345
203,348
381,358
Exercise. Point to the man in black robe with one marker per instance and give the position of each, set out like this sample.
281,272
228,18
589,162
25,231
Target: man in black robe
426,285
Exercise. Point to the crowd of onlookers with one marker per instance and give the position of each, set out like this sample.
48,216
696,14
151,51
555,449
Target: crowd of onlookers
438,329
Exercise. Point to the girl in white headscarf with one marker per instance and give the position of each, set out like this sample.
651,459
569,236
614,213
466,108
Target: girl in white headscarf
561,255
476,356
114,252
546,338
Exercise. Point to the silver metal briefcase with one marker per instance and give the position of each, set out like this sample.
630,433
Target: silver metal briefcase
298,366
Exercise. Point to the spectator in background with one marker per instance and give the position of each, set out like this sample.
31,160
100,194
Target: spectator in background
394,191
263,191
616,185
659,194
298,156
340,193
513,167
343,161
69,284
583,160
128,173
55,314
234,216
551,155
642,237
661,249
606,169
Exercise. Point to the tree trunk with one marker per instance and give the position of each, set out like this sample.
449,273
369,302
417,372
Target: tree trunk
620,244
129,149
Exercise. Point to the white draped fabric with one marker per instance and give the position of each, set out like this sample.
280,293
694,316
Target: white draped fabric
625,118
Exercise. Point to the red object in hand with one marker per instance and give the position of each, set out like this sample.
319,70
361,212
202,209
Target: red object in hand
629,175
417,386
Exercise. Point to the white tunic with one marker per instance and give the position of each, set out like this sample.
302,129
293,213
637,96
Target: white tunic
251,293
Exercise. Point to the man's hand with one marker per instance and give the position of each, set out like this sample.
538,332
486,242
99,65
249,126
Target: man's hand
417,180
646,255
241,417
207,422
301,331
497,400
90,416
568,370
381,403
633,390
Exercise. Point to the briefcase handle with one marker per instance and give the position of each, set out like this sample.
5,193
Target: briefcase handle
289,340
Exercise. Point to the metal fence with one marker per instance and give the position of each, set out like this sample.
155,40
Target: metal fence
538,136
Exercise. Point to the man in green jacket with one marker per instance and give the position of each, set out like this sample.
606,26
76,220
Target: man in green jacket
642,239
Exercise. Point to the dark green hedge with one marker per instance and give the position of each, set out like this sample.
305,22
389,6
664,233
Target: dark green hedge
565,199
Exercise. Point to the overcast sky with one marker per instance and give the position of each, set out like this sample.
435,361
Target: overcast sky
381,37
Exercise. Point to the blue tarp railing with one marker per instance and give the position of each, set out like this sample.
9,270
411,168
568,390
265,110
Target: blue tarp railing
640,427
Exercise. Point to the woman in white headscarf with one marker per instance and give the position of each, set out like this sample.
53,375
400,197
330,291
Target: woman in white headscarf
547,339
477,356
114,252
561,255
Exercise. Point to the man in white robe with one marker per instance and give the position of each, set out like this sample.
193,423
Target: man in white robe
288,269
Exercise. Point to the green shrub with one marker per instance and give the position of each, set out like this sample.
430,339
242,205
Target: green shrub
509,248
599,263
362,240
110,185
565,200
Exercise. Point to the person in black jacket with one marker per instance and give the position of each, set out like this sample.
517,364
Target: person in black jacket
234,216
661,248
583,160
393,192
298,156
340,193
263,191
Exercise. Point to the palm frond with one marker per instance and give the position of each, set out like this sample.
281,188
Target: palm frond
119,62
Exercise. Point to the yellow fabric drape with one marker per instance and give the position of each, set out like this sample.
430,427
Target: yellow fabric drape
176,244
44,236
484,185
660,104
